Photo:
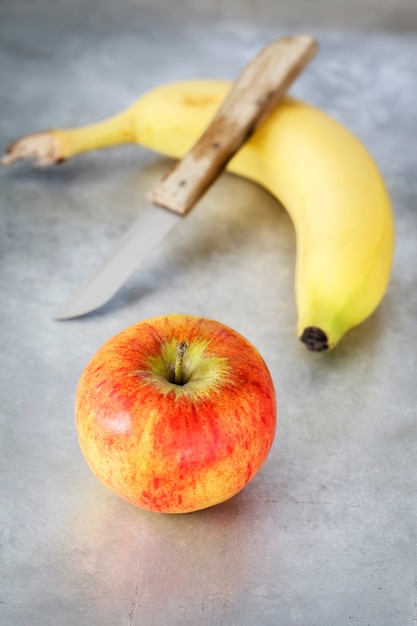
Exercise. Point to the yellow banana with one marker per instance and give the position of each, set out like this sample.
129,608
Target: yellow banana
319,171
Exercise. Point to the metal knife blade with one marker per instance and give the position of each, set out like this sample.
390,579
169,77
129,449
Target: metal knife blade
132,249
258,89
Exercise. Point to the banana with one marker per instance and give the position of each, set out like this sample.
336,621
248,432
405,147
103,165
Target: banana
320,172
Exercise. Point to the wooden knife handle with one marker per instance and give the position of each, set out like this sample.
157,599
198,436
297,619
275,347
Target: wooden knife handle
258,89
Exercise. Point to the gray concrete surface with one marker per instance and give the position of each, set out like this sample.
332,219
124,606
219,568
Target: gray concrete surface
369,14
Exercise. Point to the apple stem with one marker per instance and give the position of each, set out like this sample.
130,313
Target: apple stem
181,349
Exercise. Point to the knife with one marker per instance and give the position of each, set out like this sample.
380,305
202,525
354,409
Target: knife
257,90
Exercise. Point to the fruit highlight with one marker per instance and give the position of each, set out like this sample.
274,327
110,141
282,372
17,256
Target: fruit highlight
320,172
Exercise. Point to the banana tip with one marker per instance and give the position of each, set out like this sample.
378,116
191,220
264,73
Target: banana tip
315,339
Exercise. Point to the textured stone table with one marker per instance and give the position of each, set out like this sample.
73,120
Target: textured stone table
325,535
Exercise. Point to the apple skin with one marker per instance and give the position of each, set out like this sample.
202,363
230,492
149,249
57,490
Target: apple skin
168,447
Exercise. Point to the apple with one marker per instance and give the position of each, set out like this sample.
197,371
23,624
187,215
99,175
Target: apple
176,413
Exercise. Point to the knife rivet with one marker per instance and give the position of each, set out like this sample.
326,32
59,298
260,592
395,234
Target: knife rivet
182,182
215,144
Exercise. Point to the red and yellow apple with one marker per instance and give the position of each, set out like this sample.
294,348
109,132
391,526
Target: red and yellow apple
176,413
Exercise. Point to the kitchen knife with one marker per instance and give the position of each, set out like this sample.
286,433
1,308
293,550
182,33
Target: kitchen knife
257,90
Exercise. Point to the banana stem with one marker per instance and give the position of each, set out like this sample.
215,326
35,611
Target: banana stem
112,131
